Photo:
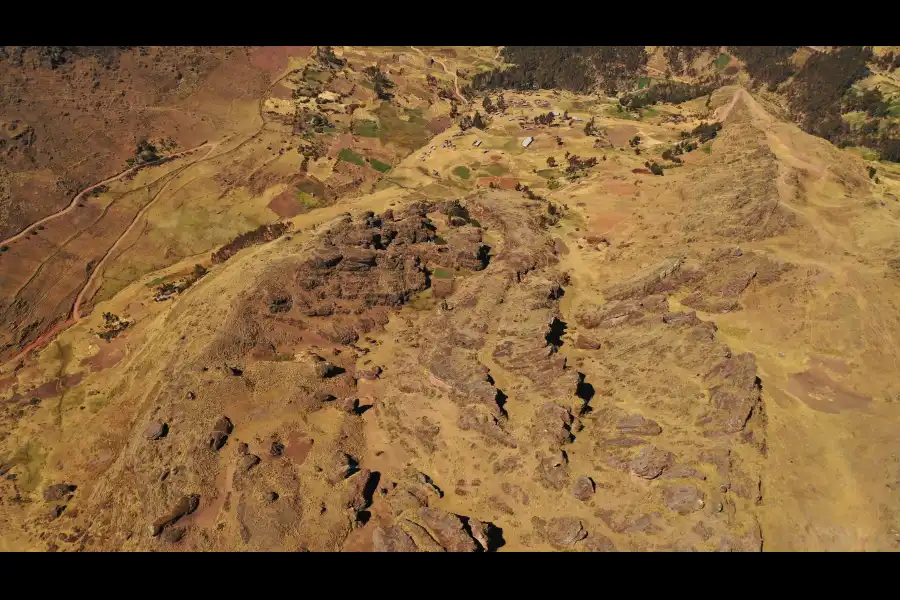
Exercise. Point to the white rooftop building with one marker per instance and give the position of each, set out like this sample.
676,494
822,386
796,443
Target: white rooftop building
527,142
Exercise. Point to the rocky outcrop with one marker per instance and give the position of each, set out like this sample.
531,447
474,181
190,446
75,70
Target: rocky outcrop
185,506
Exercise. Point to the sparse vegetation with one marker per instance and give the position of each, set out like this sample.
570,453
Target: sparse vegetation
365,128
462,172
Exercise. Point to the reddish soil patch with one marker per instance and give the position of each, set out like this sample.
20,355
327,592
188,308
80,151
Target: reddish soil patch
439,124
620,188
619,136
344,140
340,85
286,204
274,59
7,384
367,144
298,447
641,172
349,171
505,183
496,157
282,92
818,391
50,389
604,222
109,355
362,94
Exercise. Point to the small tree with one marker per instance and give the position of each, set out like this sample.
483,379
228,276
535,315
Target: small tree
551,162
478,121
486,104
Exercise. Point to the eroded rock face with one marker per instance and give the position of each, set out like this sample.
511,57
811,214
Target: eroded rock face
358,495
553,423
59,491
553,471
340,466
683,499
474,390
357,273
155,431
222,428
248,461
650,462
638,425
392,539
583,488
185,506
564,532
448,530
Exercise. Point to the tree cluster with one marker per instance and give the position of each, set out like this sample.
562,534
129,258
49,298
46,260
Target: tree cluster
654,168
681,57
871,102
706,131
326,56
889,61
477,121
490,107
770,65
576,163
545,119
822,90
573,68
380,82
672,92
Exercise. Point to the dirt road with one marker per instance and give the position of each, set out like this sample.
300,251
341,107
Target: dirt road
448,72
80,196
76,308
75,315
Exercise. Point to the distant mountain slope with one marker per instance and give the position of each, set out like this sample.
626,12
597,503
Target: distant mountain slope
848,95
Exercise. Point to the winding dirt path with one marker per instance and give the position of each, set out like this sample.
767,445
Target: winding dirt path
91,188
75,314
76,308
448,72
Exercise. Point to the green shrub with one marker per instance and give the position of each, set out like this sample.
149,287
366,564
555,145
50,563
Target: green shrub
379,166
462,172
348,155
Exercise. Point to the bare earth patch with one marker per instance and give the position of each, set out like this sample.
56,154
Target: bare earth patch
818,391
286,204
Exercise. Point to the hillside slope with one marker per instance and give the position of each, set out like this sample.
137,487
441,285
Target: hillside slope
498,346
